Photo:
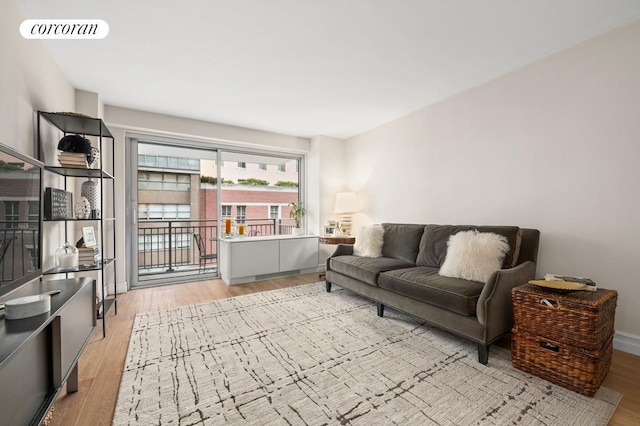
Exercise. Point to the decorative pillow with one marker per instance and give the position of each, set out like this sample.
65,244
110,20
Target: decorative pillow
369,241
474,255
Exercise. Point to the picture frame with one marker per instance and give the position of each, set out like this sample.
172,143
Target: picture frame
329,230
89,236
332,223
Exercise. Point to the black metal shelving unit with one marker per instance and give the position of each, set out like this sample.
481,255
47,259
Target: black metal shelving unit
70,123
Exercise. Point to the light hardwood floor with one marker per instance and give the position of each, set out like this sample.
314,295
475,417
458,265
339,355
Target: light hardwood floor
102,361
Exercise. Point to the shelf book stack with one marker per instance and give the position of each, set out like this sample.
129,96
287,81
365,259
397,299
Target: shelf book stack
72,160
88,256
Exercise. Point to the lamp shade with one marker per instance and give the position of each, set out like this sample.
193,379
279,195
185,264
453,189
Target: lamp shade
346,202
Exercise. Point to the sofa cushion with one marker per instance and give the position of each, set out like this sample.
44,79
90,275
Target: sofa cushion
433,245
369,240
365,269
473,255
425,284
402,241
513,234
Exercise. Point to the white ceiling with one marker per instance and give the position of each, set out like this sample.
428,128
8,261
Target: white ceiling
311,67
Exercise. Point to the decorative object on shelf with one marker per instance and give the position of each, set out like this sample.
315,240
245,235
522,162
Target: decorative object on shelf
82,208
89,190
297,212
28,306
346,205
93,158
58,204
88,256
89,236
75,143
66,257
72,160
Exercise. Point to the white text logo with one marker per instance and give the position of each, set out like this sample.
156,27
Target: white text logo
64,28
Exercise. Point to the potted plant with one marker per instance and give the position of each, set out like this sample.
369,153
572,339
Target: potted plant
297,212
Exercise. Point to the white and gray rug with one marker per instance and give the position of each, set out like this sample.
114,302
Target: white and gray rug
301,356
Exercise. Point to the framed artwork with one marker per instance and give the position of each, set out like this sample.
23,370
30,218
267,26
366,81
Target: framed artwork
329,230
332,223
89,236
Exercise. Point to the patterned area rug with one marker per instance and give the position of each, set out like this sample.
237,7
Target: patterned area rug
304,356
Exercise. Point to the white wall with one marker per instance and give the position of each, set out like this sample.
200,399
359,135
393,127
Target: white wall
327,171
554,146
30,80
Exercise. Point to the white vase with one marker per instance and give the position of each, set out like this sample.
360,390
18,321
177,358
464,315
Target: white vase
89,190
66,257
297,231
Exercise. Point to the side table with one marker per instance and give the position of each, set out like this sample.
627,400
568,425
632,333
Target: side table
335,241
565,337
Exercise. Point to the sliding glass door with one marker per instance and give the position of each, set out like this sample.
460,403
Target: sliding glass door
173,228
183,196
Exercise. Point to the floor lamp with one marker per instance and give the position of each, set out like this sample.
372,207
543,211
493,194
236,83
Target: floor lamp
346,204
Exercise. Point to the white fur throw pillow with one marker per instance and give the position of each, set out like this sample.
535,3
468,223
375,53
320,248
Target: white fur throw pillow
369,241
474,255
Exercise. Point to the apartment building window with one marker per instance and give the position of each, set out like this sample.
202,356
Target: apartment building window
164,211
11,215
262,166
156,181
160,242
34,214
274,212
242,165
241,214
226,211
282,167
163,161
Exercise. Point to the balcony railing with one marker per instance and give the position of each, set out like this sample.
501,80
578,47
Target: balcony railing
166,246
18,248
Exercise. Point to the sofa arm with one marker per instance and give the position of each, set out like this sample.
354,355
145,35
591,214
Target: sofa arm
494,309
341,250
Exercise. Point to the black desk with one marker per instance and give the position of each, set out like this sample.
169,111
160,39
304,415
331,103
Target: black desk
39,354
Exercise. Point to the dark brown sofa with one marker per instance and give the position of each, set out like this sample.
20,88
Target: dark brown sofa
406,278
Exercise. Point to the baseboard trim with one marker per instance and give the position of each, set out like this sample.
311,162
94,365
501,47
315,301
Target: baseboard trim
122,287
627,342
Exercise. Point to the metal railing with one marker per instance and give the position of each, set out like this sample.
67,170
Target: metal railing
18,248
166,246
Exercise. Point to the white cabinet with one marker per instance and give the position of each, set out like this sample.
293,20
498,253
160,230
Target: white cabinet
299,253
254,258
243,260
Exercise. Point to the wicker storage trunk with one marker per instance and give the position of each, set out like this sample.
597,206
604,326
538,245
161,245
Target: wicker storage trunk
580,318
564,337
577,369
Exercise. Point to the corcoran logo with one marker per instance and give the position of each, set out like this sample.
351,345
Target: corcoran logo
64,28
